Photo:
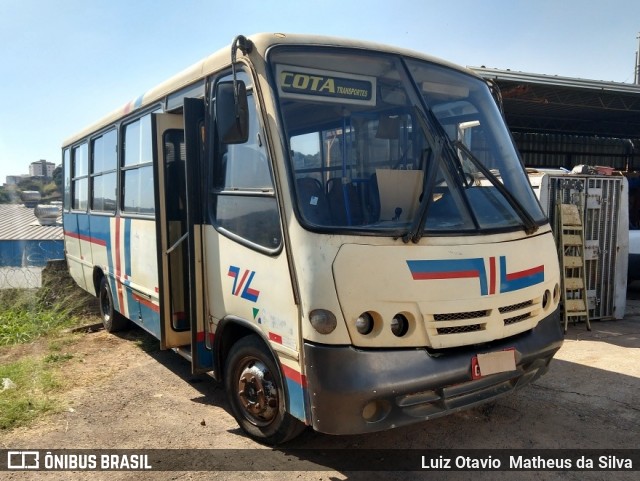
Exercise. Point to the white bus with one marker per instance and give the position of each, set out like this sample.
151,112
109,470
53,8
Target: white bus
341,232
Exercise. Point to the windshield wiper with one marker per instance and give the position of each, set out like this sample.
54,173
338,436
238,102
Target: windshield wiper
430,169
529,223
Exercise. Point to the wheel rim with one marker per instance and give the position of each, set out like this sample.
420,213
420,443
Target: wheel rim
257,392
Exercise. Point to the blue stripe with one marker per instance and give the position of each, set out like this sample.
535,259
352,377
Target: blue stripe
296,400
127,248
451,266
138,102
516,284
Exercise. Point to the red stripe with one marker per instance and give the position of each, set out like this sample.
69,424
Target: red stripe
86,238
418,276
200,336
526,273
294,375
275,337
492,275
117,263
146,302
241,283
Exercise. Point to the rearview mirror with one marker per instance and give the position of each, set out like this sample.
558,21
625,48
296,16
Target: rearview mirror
232,113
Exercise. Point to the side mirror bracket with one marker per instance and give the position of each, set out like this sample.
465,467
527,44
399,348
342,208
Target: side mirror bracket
232,112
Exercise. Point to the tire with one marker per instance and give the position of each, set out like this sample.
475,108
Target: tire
112,320
256,393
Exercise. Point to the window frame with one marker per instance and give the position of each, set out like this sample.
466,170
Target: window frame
77,178
94,175
216,187
124,168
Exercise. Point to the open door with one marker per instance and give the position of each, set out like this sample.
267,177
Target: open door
172,230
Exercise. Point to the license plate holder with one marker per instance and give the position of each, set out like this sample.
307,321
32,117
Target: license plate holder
493,363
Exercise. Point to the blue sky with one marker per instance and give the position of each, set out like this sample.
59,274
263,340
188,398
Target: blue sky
66,63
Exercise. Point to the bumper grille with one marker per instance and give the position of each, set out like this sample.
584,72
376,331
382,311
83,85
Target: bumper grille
515,307
457,323
459,316
460,329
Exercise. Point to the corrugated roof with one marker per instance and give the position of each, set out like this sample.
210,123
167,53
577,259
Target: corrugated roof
556,80
18,222
552,104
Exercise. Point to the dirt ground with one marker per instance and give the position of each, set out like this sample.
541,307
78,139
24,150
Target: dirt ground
127,397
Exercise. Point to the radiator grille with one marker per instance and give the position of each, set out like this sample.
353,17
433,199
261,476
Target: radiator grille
459,329
513,320
459,316
515,307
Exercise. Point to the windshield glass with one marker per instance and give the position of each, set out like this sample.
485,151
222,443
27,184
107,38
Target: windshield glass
371,134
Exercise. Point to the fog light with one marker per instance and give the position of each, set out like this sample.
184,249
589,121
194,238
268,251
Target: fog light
364,323
546,299
399,325
323,321
376,411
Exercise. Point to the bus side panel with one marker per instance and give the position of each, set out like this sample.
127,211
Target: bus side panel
137,272
72,250
86,255
100,245
256,287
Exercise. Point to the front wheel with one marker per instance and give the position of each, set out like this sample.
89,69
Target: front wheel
256,393
112,320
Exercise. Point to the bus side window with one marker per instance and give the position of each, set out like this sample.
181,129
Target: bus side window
80,180
243,195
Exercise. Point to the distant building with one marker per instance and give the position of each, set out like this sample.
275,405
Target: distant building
42,168
15,179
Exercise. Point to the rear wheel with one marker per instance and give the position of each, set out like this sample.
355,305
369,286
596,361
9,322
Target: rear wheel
112,320
256,393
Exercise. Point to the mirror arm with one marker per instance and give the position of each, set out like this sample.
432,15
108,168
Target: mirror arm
245,46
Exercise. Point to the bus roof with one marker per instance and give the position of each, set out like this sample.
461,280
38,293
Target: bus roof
222,58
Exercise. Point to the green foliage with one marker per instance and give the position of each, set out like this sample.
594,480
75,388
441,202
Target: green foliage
31,183
57,357
26,317
50,189
31,394
26,314
5,196
58,177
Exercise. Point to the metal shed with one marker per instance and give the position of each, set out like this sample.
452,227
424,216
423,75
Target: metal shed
562,122
24,241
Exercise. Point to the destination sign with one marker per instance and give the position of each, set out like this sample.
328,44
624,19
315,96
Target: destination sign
325,85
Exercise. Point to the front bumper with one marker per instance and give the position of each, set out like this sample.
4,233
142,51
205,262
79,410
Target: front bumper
354,391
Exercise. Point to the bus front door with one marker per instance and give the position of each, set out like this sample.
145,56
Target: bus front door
172,230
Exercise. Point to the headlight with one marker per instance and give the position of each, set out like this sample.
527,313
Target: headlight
364,323
399,325
323,321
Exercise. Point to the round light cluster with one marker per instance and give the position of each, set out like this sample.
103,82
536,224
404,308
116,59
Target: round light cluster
366,324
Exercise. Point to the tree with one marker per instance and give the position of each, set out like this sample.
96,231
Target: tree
58,177
30,184
5,197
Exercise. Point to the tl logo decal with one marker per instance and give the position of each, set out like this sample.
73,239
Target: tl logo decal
242,285
475,268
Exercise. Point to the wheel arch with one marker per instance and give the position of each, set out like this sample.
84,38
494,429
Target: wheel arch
98,274
229,331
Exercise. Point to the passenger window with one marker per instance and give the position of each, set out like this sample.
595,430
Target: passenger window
104,153
137,170
80,159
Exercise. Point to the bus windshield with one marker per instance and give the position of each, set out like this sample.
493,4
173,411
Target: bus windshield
385,143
